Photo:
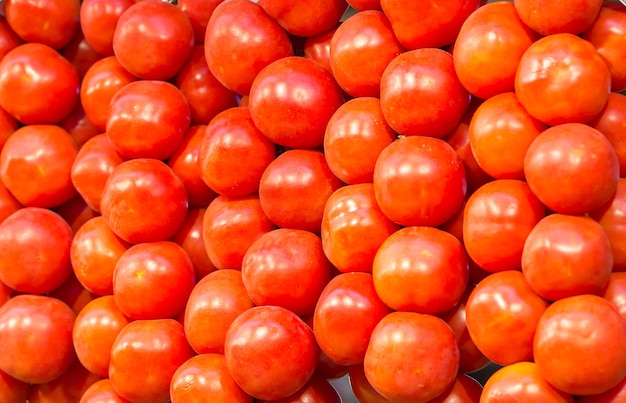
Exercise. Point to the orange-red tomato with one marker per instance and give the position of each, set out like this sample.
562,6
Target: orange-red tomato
549,18
612,122
615,291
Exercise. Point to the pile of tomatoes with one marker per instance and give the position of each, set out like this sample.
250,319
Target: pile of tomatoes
240,201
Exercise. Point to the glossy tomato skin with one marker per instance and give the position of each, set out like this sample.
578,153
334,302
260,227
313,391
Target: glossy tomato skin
411,357
553,74
430,106
549,19
292,100
615,394
8,124
8,203
464,389
69,387
189,237
78,125
8,38
198,12
132,202
102,391
497,219
72,293
13,390
317,47
240,40
580,177
615,291
502,313
317,389
303,18
580,345
30,325
611,218
361,387
37,84
153,39
428,189
275,342
144,357
98,19
611,123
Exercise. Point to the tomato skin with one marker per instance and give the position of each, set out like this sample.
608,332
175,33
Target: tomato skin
189,237
611,218
78,126
102,391
303,18
419,180
8,38
98,19
615,291
361,387
317,389
549,18
402,346
68,388
12,390
275,342
611,122
198,12
615,394
464,389
431,106
8,125
317,47
561,78
580,345
30,325
8,203
37,84
72,293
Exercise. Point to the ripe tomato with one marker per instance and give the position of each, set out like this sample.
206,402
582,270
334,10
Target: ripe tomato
419,180
580,345
133,204
305,18
611,122
8,203
317,389
611,217
554,73
98,19
411,357
274,342
12,390
361,387
36,326
572,168
548,18
78,125
80,54
67,388
102,391
189,237
198,12
317,47
73,294
432,105
615,292
153,39
8,38
8,125
464,389
615,394
502,313
144,357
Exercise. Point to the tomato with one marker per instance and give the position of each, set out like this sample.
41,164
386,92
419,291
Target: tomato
153,39
295,187
611,217
419,180
303,18
12,390
464,389
615,394
8,125
611,122
606,34
317,47
8,203
432,105
8,38
580,345
440,21
102,391
214,303
317,389
502,313
234,154
361,387
36,326
292,100
489,47
522,382
362,5
572,168
198,12
133,205
203,376
80,54
561,78
360,50
615,292
189,237
240,40
68,388
98,19
274,342
345,316
549,18
229,227
355,136
37,84
138,347
411,357
52,23
78,126
497,220
73,294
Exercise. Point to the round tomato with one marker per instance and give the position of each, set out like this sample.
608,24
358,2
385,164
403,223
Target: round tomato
189,237
305,18
12,390
317,47
67,388
98,19
612,218
317,389
615,292
102,391
611,122
549,18
8,203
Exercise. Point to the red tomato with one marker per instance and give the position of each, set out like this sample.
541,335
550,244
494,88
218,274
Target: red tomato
497,219
8,38
361,5
361,387
203,376
274,342
612,218
146,106
198,12
317,47
52,23
75,212
355,136
488,49
144,357
80,54
68,388
432,105
464,389
133,204
612,122
502,313
12,390
439,21
153,39
580,345
100,392
317,389
295,187
229,227
8,125
73,294
292,100
8,203
98,19
522,382
36,326
214,303
419,180
37,84
234,154
25,235
305,18
553,73
189,237
78,126
572,168
548,18
615,292
345,316
240,40
613,395
411,357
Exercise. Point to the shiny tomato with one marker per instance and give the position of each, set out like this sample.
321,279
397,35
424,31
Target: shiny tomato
102,391
317,47
73,294
199,12
8,38
549,18
189,237
465,389
615,292
615,394
8,203
305,18
67,388
80,54
75,212
580,345
611,122
612,218
362,5
78,125
361,387
8,125
98,19
12,390
36,326
572,168
317,389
